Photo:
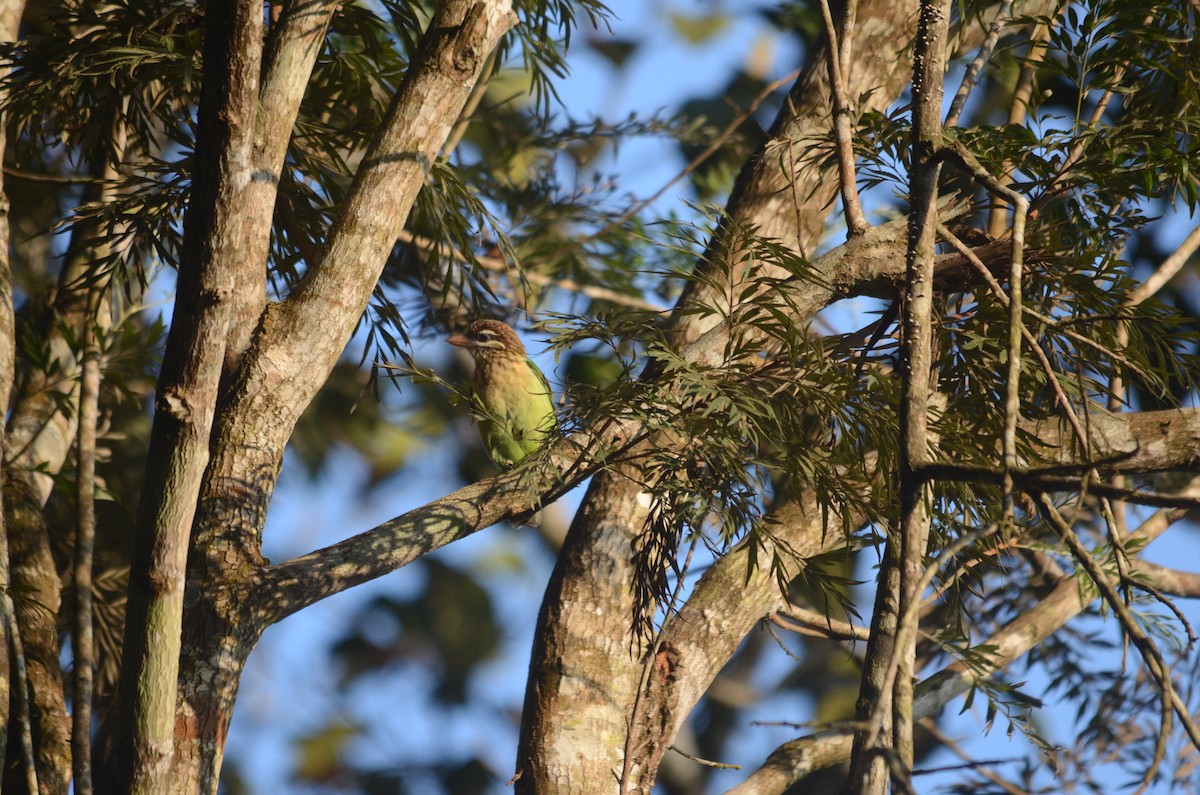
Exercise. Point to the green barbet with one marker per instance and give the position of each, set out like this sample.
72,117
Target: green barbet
515,410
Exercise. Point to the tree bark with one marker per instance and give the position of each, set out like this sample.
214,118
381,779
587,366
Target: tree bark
186,396
10,20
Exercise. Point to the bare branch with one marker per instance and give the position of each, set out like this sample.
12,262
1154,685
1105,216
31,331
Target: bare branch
82,641
839,65
1167,270
971,76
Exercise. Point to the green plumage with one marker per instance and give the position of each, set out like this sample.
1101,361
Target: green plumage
514,404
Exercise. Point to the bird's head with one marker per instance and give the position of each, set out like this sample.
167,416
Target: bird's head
489,341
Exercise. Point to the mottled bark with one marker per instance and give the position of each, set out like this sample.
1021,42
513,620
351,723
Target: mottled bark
292,47
186,397
917,392
37,596
10,19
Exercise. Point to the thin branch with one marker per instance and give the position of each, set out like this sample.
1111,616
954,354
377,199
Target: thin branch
1043,360
705,762
1167,270
907,632
1019,106
980,267
818,625
1012,378
57,179
695,163
797,758
954,748
82,641
839,64
971,76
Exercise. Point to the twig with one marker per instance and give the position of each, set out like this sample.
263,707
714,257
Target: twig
814,624
695,163
906,634
61,179
856,222
954,748
705,762
971,76
644,683
1082,141
82,641
1012,389
1047,367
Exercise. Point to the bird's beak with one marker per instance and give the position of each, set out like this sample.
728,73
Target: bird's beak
458,341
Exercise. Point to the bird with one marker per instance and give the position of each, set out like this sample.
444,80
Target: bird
514,405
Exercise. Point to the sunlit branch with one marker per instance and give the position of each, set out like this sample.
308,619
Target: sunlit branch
839,64
1167,270
1019,106
971,76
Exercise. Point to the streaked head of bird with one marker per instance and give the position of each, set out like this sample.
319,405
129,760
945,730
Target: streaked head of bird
489,341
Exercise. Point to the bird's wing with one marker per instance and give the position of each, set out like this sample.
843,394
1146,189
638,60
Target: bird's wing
545,385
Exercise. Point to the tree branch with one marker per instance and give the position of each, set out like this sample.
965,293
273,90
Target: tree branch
281,590
293,44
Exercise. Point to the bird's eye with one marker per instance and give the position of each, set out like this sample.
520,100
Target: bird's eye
484,335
